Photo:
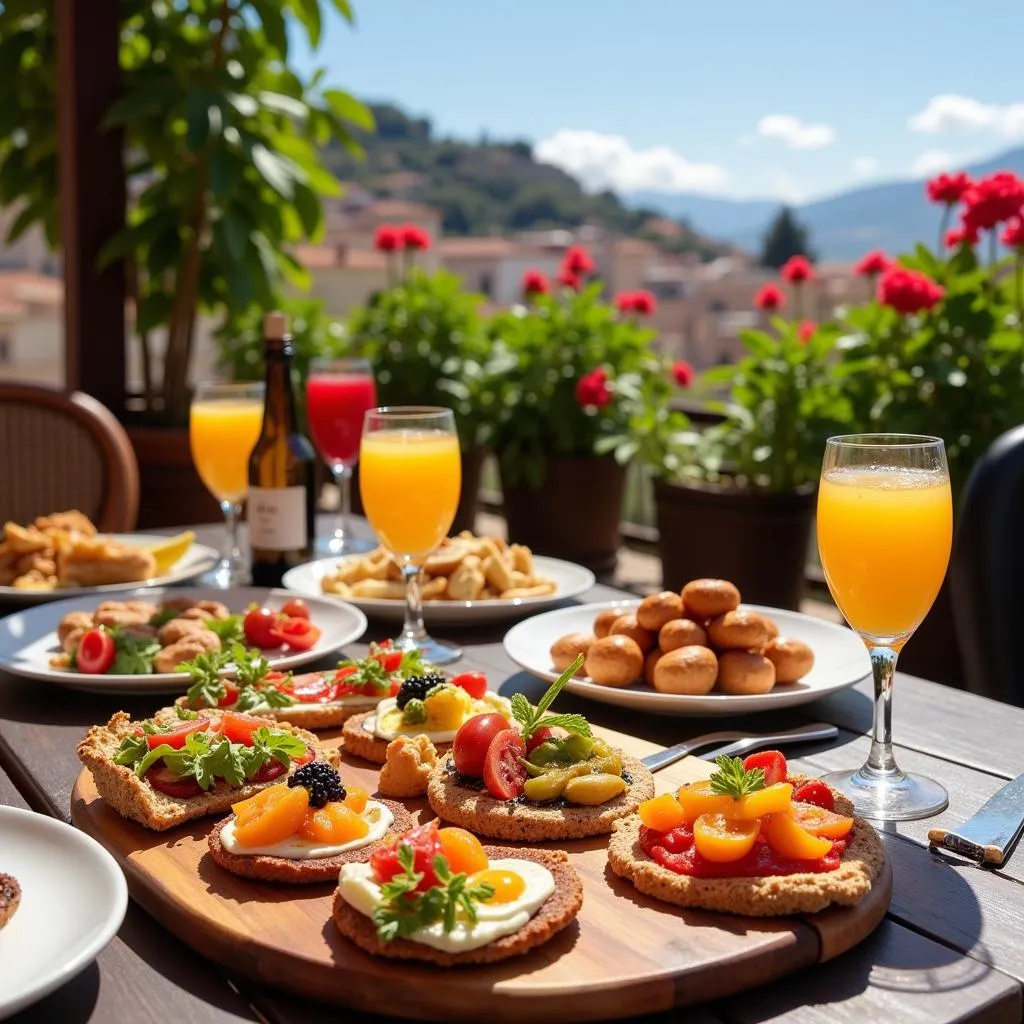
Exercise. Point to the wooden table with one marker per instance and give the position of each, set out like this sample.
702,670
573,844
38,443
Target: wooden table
950,949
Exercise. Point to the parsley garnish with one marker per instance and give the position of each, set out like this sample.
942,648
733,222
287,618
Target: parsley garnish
135,654
403,911
185,714
229,629
207,686
732,779
533,718
251,668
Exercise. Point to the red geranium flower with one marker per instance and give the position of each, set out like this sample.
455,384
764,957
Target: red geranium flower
536,283
387,238
961,236
1013,236
769,298
414,237
806,330
948,188
872,263
592,389
908,291
624,302
568,279
644,302
577,260
682,373
993,199
797,269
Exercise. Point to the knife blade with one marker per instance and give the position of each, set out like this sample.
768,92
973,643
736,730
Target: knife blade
991,833
742,743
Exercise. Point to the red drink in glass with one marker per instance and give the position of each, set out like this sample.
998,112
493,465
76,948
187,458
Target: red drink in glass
336,405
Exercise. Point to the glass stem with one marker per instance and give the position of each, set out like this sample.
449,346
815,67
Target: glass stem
232,551
413,630
343,480
883,668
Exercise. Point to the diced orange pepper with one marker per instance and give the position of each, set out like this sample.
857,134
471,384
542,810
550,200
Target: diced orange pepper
775,799
334,823
356,799
721,839
463,851
662,813
697,798
820,822
279,816
786,837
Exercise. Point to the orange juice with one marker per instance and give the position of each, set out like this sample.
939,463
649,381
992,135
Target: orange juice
884,537
222,433
410,482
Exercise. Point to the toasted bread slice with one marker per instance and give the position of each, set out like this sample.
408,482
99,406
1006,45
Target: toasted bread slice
555,914
322,716
10,897
367,746
134,798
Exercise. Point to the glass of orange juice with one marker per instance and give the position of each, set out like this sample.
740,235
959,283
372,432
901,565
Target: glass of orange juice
224,424
410,477
885,529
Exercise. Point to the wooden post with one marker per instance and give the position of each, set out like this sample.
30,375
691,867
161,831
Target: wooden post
92,197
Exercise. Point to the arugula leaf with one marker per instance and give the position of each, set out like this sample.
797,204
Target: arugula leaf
207,686
268,744
250,664
134,747
135,654
533,718
185,714
732,779
229,630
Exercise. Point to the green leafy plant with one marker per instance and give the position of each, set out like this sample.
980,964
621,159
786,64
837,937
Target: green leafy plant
531,718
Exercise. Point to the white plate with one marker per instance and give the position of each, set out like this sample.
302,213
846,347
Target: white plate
840,660
73,900
28,639
571,580
197,560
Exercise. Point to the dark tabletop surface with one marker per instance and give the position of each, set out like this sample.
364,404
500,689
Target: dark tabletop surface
951,947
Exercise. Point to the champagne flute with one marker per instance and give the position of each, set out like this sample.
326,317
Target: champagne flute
224,424
410,477
338,394
885,529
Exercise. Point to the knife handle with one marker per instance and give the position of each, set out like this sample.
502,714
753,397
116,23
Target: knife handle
957,844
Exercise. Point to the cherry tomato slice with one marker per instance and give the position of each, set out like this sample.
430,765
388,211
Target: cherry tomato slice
474,683
772,762
426,845
162,779
259,625
96,652
504,776
815,792
239,728
269,771
231,692
296,608
316,688
469,749
177,736
390,660
298,634
542,734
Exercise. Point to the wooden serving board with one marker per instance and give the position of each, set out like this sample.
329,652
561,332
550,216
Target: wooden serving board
626,954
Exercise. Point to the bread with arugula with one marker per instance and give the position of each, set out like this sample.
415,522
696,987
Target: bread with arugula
180,764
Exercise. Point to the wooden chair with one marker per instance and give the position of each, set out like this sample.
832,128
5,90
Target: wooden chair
987,572
61,450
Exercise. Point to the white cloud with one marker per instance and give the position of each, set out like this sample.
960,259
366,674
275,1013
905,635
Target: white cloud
610,161
796,133
931,161
865,165
950,112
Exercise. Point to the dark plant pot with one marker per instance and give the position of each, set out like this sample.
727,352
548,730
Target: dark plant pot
171,493
574,514
933,652
469,500
759,541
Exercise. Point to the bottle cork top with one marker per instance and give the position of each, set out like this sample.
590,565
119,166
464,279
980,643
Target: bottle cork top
275,326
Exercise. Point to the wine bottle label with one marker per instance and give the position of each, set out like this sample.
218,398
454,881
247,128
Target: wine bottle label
277,518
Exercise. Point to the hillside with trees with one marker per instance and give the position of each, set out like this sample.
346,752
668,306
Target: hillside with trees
492,187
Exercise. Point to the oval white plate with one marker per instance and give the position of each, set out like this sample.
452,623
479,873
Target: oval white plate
840,660
73,900
28,639
198,559
571,580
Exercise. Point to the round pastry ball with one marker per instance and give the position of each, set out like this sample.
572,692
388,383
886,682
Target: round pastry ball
737,631
604,620
657,609
652,658
681,633
792,659
626,625
705,599
745,672
614,660
566,649
690,670
770,625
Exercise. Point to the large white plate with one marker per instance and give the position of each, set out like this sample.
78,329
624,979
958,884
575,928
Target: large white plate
840,660
28,639
571,580
197,560
73,900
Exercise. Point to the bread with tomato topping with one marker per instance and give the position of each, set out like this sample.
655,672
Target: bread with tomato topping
135,798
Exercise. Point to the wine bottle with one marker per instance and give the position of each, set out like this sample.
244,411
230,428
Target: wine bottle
282,470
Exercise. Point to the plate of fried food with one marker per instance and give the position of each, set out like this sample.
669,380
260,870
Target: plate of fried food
469,580
63,554
696,652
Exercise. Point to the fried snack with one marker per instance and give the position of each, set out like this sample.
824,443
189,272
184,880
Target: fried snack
745,672
706,599
410,760
738,631
604,620
690,670
464,568
650,663
566,649
657,609
681,633
792,659
614,660
627,625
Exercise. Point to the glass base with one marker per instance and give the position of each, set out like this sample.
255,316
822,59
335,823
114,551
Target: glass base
227,575
341,546
438,652
890,796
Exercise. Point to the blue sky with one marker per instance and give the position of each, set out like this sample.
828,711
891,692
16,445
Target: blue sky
787,99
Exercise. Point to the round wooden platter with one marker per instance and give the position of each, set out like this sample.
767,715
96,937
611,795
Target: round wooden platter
626,954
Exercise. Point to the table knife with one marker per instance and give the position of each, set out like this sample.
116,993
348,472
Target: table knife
990,834
738,743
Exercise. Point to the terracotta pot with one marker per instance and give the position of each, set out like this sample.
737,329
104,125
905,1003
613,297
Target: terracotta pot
171,493
759,541
574,514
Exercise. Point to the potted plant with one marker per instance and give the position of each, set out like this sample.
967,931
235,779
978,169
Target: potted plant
224,140
739,503
571,372
425,339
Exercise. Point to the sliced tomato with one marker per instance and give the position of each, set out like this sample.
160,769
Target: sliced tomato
504,776
296,608
231,692
815,792
96,652
474,683
539,737
239,728
162,779
426,845
772,762
259,625
315,688
271,770
298,634
177,736
389,658
821,822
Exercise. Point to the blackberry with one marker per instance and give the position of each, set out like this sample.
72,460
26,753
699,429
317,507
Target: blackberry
416,687
322,782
